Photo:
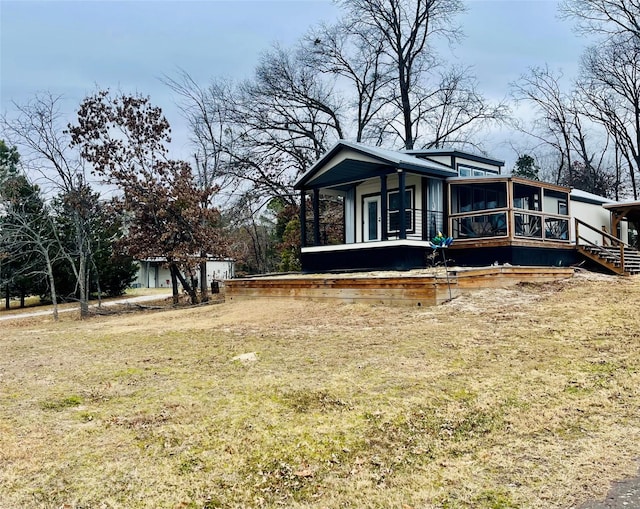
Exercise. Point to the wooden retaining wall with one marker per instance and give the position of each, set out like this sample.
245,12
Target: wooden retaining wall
505,276
402,288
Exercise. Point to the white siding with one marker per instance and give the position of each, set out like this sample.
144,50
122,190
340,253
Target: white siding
350,216
152,274
592,214
372,187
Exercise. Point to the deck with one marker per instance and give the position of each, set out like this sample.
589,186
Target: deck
424,287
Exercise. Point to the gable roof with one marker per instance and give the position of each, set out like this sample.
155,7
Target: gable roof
348,162
439,152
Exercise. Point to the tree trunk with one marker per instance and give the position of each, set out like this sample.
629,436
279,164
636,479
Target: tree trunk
174,283
204,290
185,284
7,298
82,284
406,111
52,286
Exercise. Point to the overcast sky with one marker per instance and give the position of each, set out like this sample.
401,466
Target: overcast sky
72,47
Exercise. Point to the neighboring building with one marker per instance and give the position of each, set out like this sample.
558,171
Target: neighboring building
153,273
395,202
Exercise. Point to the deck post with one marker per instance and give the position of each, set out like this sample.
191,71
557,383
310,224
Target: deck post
316,217
303,219
384,213
402,234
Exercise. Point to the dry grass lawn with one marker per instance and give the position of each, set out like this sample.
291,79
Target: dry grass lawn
519,398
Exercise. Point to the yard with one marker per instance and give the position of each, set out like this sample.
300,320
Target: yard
526,397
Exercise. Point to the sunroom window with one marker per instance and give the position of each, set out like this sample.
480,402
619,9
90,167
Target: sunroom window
473,197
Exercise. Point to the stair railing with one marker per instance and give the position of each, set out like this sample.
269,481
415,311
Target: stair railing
604,236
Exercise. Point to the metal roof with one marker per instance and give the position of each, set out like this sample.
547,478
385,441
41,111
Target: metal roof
628,209
584,196
367,162
432,152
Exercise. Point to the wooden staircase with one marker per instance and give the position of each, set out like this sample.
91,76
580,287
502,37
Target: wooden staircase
610,253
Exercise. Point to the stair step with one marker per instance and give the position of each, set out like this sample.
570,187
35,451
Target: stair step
610,256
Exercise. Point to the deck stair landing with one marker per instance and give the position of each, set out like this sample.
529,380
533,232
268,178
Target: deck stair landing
610,253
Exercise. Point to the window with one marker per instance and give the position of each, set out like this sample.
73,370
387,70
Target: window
468,198
562,207
393,208
526,197
470,171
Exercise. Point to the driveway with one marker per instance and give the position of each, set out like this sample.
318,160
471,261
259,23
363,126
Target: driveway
16,314
622,495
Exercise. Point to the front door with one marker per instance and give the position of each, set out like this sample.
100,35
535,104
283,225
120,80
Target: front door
372,223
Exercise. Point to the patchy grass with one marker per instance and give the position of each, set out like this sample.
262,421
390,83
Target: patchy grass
519,398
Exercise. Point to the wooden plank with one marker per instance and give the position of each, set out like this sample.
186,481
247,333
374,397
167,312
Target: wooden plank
423,291
390,290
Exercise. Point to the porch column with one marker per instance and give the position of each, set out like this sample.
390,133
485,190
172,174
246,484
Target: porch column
303,219
402,234
316,217
616,218
384,215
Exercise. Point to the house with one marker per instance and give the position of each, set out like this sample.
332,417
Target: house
153,272
394,202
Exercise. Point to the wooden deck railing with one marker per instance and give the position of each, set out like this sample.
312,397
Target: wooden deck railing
601,248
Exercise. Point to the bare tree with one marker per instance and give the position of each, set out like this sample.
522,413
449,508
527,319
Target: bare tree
287,112
28,234
555,114
455,111
347,51
610,89
38,131
563,125
210,114
606,17
405,29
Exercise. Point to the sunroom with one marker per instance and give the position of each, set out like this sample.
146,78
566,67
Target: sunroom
509,220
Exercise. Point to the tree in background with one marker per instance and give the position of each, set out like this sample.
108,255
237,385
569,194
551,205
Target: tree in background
16,262
29,246
45,151
526,167
609,87
555,114
167,214
426,104
373,76
605,17
346,51
593,130
109,272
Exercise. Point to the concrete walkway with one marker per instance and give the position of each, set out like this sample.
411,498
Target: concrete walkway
16,314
